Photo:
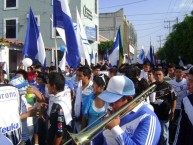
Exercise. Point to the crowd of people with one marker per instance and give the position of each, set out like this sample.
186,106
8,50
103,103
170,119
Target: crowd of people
49,103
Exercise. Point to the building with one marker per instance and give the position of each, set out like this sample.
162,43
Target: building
14,17
109,24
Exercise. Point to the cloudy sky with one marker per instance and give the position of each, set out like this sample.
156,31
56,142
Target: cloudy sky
150,17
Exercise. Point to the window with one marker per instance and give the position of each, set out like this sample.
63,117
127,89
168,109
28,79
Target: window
10,4
11,28
37,17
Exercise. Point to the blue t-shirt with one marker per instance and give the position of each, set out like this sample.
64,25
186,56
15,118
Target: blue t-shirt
89,112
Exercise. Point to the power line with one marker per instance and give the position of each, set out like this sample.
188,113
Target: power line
124,4
150,33
149,28
152,14
169,22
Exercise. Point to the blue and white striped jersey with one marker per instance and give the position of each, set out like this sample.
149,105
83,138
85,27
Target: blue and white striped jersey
139,127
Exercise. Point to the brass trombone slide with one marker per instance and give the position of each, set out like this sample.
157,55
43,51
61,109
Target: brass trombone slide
88,135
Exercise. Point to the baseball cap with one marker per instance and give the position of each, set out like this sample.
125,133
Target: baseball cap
118,87
20,83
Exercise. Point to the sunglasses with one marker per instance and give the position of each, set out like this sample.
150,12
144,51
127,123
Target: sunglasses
102,77
37,72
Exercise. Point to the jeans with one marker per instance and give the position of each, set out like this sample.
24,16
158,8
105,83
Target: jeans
173,126
164,137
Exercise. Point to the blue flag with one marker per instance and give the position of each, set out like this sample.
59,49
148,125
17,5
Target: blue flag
141,56
116,53
63,20
151,56
91,56
34,45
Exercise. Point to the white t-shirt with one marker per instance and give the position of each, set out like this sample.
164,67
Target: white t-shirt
24,127
180,89
144,74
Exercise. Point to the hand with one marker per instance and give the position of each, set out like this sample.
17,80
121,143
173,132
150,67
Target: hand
31,90
113,123
44,106
31,112
171,116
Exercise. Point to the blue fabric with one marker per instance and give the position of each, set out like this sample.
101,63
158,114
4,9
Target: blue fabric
142,127
151,55
41,89
86,94
70,84
64,21
142,56
30,48
90,114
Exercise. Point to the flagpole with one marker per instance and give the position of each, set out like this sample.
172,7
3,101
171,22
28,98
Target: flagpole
56,51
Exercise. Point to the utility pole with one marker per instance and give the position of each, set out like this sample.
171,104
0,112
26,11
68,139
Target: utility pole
160,40
169,23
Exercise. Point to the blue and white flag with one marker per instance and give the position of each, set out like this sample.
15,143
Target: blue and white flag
150,55
141,58
92,56
83,44
34,45
62,19
114,54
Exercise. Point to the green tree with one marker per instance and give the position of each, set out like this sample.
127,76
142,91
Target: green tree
179,42
104,45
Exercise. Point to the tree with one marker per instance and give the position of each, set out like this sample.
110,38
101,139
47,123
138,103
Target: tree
179,42
104,45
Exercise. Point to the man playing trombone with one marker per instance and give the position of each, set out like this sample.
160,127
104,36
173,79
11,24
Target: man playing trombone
137,126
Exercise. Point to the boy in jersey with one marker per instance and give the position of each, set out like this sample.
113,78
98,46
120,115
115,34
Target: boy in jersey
139,126
179,85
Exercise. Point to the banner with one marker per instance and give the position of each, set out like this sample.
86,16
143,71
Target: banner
9,113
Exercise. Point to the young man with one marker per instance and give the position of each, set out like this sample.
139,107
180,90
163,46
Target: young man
59,110
96,70
180,87
84,74
184,134
171,73
112,72
151,78
146,68
164,105
140,126
83,90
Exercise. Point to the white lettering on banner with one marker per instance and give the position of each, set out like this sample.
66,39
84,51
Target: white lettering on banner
9,128
6,96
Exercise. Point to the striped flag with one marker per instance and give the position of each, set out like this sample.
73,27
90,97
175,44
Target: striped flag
116,53
151,55
62,19
141,56
34,45
83,44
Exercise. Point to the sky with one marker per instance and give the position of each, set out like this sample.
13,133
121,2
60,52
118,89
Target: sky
150,17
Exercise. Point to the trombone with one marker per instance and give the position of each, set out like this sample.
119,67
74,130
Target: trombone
85,136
